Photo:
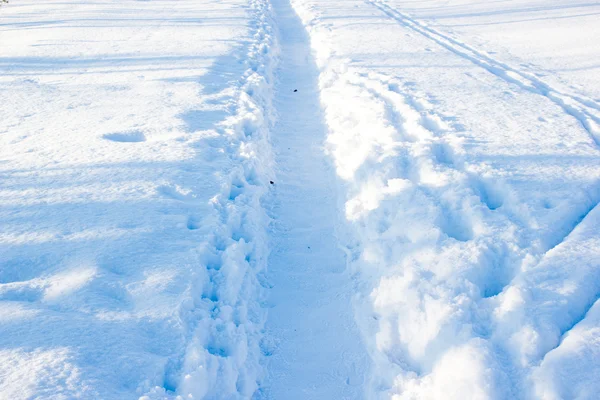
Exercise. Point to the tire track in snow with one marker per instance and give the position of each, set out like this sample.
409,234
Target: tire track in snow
583,109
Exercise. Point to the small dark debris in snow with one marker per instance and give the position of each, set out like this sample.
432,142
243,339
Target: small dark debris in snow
271,182
295,90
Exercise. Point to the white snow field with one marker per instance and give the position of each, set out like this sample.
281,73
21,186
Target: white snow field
133,154
300,199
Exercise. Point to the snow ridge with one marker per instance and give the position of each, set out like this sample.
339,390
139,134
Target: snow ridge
222,313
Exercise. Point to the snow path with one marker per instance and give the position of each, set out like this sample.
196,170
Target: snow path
311,334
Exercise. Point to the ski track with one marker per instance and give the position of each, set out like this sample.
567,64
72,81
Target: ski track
575,105
311,342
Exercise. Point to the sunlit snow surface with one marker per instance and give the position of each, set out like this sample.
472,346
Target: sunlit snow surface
467,146
443,191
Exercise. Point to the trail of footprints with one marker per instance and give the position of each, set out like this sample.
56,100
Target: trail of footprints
432,142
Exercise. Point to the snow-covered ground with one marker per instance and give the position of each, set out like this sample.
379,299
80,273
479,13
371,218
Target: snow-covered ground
555,40
303,199
472,186
134,152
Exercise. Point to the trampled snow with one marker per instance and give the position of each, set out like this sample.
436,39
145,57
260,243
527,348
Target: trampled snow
305,199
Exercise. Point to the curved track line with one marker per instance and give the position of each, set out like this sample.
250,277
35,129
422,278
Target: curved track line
575,105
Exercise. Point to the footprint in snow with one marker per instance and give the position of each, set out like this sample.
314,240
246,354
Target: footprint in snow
125,137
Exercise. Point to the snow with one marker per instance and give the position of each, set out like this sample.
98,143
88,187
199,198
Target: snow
468,183
317,354
238,199
133,160
552,39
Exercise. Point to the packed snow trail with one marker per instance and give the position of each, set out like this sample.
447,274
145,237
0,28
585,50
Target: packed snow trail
314,348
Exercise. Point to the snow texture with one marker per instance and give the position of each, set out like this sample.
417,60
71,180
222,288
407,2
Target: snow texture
471,190
135,150
300,199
